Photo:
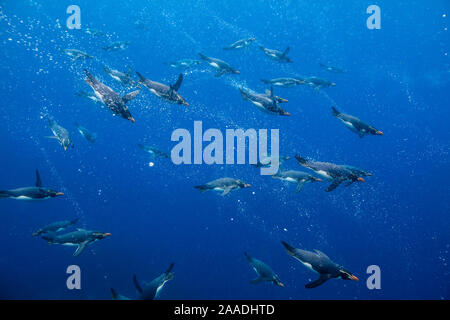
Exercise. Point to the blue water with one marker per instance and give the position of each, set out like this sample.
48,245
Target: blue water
397,80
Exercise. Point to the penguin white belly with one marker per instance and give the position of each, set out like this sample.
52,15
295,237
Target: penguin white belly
289,179
258,104
324,174
278,83
155,92
306,264
98,94
215,65
23,198
116,78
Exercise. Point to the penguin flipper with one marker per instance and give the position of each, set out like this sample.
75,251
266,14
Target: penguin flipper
317,282
225,192
137,285
38,179
177,84
335,111
116,296
80,249
300,186
333,185
130,96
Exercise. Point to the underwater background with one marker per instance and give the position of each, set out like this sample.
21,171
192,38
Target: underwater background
397,79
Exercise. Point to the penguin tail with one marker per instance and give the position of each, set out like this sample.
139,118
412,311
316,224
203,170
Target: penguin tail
4,194
247,256
335,111
74,220
203,56
288,247
202,188
114,294
48,237
169,270
141,77
301,160
265,81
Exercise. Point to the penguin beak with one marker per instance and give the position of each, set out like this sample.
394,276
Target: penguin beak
237,72
361,179
65,148
286,114
333,84
107,234
132,119
380,133
354,278
59,193
318,179
247,185
281,285
186,104
284,100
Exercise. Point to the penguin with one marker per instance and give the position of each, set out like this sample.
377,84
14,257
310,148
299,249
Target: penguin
116,296
284,82
221,66
55,227
266,161
264,272
168,93
80,238
355,124
264,102
110,98
88,135
332,69
277,55
123,78
358,171
37,192
320,263
184,63
318,83
224,185
61,134
330,171
115,46
94,32
77,54
152,290
244,43
155,153
298,177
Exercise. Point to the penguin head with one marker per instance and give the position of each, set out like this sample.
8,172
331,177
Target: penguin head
100,235
242,184
346,275
53,193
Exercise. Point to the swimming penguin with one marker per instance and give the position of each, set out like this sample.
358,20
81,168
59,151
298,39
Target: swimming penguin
94,32
330,171
332,69
88,95
184,63
265,103
320,263
277,55
123,78
31,193
318,83
298,177
224,185
88,135
80,238
156,153
77,54
221,66
150,291
110,98
284,82
266,161
264,272
119,45
355,124
116,296
168,93
244,43
61,134
56,227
